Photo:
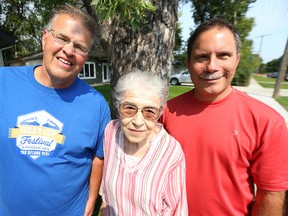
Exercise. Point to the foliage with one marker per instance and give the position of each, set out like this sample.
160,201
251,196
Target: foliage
132,12
232,11
24,20
274,65
179,51
247,65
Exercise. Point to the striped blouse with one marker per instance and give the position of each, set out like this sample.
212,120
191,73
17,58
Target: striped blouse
153,186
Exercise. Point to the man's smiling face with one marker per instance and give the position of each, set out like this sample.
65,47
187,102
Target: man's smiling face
61,64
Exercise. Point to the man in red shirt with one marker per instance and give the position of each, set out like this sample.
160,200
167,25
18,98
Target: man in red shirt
231,141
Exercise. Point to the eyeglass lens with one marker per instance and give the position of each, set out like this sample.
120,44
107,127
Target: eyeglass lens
130,110
64,39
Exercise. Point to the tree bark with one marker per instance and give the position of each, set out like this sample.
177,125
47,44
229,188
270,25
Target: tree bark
150,48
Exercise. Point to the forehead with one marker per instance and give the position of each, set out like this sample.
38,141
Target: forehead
71,26
141,97
215,37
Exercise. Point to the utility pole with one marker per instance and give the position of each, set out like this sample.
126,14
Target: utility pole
282,72
260,49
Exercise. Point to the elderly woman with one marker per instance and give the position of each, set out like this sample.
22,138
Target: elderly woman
144,167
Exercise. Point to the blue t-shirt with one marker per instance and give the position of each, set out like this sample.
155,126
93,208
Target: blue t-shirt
48,138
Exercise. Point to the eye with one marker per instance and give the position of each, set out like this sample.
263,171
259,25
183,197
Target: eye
150,110
81,47
224,55
201,58
62,38
129,107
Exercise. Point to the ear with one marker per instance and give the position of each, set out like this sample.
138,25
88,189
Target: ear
44,38
238,59
187,62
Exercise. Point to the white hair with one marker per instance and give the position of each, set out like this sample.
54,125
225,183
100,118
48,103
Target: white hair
136,79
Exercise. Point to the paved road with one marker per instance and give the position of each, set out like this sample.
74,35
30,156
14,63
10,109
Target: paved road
265,95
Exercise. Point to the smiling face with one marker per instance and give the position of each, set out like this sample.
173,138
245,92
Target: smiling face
61,64
137,129
213,63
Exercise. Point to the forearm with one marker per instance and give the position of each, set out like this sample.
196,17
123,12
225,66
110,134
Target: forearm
95,177
94,184
268,203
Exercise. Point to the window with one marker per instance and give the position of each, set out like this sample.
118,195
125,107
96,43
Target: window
89,71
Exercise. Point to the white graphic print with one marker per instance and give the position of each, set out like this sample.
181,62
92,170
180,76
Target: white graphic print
37,134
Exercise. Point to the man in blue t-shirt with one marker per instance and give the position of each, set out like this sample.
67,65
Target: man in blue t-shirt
52,125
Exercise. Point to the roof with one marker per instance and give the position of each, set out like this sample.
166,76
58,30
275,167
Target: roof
6,40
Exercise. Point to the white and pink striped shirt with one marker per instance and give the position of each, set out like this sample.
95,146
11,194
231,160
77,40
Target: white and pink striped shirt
155,185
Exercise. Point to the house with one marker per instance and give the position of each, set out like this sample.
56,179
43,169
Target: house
94,71
6,42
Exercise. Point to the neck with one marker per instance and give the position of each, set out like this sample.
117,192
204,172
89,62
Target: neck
136,149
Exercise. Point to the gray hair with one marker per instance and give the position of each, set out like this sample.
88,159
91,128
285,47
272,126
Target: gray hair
87,21
136,79
209,24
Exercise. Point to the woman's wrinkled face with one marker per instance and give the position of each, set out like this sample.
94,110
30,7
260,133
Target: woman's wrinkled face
137,128
213,63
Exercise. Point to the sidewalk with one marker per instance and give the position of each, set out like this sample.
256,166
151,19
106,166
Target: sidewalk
265,95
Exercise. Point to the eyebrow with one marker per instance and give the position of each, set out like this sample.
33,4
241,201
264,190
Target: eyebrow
132,104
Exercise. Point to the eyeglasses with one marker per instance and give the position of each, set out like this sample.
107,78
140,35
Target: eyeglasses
149,112
63,39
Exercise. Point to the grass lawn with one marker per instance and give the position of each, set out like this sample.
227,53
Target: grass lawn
268,82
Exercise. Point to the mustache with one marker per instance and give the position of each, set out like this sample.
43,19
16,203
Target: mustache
211,76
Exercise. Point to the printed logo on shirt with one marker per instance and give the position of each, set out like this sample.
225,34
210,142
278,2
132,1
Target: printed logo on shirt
37,134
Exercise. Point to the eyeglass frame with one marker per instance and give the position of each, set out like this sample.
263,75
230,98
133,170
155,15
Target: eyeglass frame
67,40
142,111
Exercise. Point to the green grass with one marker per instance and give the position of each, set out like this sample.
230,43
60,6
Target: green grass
283,101
268,82
177,90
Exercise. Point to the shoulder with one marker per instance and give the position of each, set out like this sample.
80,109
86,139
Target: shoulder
180,98
258,110
170,145
252,104
94,95
9,70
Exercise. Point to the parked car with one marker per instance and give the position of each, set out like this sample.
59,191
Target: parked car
182,77
273,74
286,77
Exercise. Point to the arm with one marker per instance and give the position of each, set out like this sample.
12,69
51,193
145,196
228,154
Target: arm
94,185
177,190
268,203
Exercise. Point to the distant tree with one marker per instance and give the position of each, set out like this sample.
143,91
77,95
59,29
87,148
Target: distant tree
274,65
25,20
179,51
226,9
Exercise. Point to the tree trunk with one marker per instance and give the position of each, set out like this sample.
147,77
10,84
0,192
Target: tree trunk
150,48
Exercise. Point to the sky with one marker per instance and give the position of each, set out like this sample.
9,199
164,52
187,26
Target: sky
270,33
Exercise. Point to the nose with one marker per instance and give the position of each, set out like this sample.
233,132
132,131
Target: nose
69,48
138,118
212,64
